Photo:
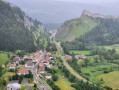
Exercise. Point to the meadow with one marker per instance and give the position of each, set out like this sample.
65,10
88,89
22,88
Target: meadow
115,46
110,79
79,52
64,84
3,59
91,72
24,87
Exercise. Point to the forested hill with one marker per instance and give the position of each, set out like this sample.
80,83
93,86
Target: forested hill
17,30
90,28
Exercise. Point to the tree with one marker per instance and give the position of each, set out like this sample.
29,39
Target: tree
55,77
86,61
4,82
1,70
35,85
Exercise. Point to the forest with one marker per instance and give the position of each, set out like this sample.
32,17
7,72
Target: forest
18,31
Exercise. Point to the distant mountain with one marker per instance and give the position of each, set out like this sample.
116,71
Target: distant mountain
58,11
17,30
89,28
52,26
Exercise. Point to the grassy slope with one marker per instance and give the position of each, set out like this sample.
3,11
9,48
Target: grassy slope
111,79
115,46
77,28
3,58
64,84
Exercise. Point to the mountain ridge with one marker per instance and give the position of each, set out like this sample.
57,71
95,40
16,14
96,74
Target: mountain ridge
77,27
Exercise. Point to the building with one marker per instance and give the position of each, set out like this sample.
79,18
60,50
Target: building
23,71
14,86
41,66
49,53
47,57
29,64
48,76
80,56
17,58
46,61
68,57
12,65
42,72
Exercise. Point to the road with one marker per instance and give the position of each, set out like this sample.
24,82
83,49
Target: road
36,76
66,64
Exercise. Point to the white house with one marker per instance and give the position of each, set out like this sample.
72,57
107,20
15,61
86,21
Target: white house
14,86
48,76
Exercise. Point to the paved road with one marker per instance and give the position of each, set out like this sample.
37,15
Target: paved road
67,65
36,76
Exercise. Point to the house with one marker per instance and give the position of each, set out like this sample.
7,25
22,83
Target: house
47,57
42,72
46,61
14,86
25,57
37,56
12,65
29,64
41,66
16,58
48,65
49,53
80,56
23,71
68,57
48,76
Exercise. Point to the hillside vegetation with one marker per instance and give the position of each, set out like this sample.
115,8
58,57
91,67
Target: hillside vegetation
17,30
75,28
90,28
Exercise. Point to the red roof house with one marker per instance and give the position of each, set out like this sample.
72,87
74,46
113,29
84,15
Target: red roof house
80,56
23,71
69,57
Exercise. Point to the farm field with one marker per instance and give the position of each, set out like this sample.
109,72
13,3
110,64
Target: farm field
64,84
110,79
91,72
79,52
115,46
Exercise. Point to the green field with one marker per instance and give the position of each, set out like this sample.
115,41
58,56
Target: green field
79,52
96,70
24,87
64,84
3,58
22,67
115,46
110,79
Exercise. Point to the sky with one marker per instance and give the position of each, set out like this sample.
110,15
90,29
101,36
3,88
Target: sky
58,11
90,1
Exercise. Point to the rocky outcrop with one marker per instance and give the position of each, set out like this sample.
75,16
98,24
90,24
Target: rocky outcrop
87,13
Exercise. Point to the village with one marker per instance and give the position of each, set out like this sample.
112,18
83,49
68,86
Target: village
24,67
